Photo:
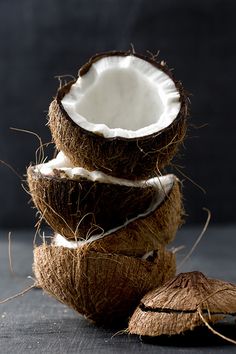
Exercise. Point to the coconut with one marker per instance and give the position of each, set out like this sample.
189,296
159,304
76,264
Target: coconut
141,235
103,287
125,115
80,205
183,303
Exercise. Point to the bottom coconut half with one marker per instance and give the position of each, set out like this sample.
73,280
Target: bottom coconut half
104,287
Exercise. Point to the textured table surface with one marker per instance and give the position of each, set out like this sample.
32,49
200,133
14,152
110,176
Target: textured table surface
36,323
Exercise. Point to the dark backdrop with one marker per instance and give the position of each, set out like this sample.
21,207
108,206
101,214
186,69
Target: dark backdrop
41,39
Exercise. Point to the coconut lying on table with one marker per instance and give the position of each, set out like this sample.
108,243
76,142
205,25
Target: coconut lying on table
79,204
183,303
103,287
125,115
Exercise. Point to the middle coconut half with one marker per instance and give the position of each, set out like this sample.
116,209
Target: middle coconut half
86,206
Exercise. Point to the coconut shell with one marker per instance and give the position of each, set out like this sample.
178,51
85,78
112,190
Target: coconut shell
63,205
130,158
102,287
174,308
145,234
79,208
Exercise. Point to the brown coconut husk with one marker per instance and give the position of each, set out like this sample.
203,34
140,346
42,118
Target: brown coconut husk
183,303
79,209
148,233
134,158
102,287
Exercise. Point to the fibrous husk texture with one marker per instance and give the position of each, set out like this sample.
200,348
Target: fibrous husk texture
103,287
136,158
105,279
174,308
79,208
147,233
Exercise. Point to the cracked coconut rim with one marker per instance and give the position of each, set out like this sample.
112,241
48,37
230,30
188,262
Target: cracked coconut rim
63,165
123,96
61,168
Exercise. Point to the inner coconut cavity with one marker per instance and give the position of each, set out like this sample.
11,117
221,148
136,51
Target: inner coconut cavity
61,167
123,96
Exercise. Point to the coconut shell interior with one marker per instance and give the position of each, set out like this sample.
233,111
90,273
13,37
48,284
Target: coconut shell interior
80,208
135,158
103,287
174,307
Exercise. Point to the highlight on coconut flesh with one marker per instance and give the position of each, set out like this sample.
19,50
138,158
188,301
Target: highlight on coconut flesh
125,115
82,205
183,303
104,287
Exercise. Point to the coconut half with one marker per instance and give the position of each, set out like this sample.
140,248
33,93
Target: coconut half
140,236
125,115
81,205
103,287
178,305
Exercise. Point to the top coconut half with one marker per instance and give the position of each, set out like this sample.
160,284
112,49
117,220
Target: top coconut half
125,115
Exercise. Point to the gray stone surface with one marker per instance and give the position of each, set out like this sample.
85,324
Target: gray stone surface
36,323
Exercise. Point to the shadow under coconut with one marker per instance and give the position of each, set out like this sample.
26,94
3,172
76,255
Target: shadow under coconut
69,334
199,337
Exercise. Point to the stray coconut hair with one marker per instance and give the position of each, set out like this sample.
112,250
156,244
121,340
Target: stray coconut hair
141,235
82,205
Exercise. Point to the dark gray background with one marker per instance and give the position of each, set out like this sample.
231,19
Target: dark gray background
41,39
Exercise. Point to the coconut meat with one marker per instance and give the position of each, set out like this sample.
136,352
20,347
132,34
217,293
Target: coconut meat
123,96
148,254
62,164
163,185
61,241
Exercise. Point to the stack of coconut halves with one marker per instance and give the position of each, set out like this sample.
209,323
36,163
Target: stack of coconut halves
112,210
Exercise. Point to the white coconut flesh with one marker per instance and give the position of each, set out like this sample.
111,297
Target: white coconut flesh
123,96
62,164
162,184
61,241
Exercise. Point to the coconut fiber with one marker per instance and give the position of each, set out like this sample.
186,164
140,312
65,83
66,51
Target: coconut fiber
135,158
104,287
175,307
79,208
105,278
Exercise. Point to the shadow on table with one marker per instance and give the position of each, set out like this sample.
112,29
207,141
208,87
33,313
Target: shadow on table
76,332
200,337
